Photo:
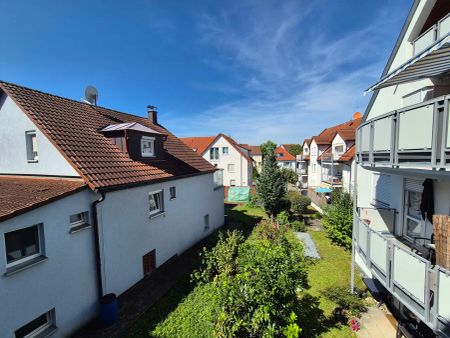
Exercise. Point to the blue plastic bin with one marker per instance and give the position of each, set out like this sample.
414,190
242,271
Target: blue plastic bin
109,309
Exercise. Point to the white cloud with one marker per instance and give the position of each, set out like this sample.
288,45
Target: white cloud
295,80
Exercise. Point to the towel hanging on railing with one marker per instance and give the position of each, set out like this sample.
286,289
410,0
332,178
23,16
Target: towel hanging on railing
427,203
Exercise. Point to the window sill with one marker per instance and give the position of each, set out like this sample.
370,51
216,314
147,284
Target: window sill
47,332
172,199
162,213
79,228
218,187
23,266
32,161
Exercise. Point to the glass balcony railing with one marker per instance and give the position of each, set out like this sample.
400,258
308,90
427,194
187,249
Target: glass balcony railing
433,34
422,287
417,136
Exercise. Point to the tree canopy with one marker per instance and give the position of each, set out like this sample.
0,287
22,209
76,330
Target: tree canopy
267,148
295,149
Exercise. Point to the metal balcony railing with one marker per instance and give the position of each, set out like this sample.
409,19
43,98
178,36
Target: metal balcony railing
433,34
302,171
416,136
423,288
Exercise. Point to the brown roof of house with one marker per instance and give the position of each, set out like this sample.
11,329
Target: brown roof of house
73,126
348,155
285,155
347,134
307,141
20,194
327,135
201,144
255,150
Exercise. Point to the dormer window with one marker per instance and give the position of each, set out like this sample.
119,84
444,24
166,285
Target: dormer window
147,146
31,144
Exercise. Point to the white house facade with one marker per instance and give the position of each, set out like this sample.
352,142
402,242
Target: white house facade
224,153
94,201
402,177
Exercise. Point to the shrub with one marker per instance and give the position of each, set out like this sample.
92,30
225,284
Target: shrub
290,176
350,305
299,202
254,201
283,219
298,226
338,219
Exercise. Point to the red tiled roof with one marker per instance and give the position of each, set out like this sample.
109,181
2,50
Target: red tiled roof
255,150
327,135
348,155
201,144
20,194
245,146
307,141
198,144
285,155
347,134
72,127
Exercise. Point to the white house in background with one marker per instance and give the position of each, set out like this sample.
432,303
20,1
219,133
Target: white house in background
303,164
256,155
403,175
284,158
92,200
226,154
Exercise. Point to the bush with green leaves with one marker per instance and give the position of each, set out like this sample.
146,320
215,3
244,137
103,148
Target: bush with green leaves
349,304
299,202
338,219
254,201
298,226
290,176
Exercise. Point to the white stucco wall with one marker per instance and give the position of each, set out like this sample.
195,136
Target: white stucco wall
66,281
128,233
13,160
242,173
287,164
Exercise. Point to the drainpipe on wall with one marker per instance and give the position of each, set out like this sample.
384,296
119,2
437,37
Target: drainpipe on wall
98,261
352,274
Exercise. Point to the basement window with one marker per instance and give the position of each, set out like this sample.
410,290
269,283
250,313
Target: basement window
42,326
173,193
23,246
31,144
147,146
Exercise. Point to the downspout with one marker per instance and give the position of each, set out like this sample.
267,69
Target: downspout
355,192
98,260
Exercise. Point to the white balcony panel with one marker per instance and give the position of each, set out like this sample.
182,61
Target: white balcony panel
362,237
409,273
378,256
448,129
365,137
425,41
444,27
444,295
382,134
416,128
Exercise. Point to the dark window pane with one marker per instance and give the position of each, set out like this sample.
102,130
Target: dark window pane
31,326
21,243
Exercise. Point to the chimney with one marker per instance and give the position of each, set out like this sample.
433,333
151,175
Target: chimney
152,114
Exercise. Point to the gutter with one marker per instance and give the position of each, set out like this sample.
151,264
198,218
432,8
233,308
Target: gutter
98,260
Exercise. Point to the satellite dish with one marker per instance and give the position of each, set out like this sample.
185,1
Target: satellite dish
91,95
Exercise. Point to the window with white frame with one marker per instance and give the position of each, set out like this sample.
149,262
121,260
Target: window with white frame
231,167
147,146
31,144
23,245
38,327
155,202
339,148
232,183
214,154
79,220
225,150
173,193
413,225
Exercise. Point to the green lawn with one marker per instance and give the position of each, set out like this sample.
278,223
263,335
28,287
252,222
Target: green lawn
333,269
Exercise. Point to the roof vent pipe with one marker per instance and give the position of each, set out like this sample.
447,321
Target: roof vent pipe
152,114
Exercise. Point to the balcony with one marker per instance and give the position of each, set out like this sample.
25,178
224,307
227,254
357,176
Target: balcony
302,171
433,34
417,136
420,286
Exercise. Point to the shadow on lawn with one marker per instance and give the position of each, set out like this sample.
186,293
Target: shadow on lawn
237,219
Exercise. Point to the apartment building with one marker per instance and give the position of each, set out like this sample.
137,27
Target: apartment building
92,201
401,223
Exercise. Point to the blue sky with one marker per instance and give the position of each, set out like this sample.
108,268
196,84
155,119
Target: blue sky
253,69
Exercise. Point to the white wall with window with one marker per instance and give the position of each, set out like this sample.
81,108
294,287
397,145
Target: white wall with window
233,164
49,268
129,231
147,146
24,148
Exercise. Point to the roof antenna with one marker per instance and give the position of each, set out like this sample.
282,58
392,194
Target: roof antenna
91,95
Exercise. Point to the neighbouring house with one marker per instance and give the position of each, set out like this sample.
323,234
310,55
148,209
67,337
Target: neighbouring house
302,165
92,200
233,160
328,159
284,158
256,155
403,176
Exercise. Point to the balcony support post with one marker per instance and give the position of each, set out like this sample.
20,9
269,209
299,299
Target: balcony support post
435,135
445,116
